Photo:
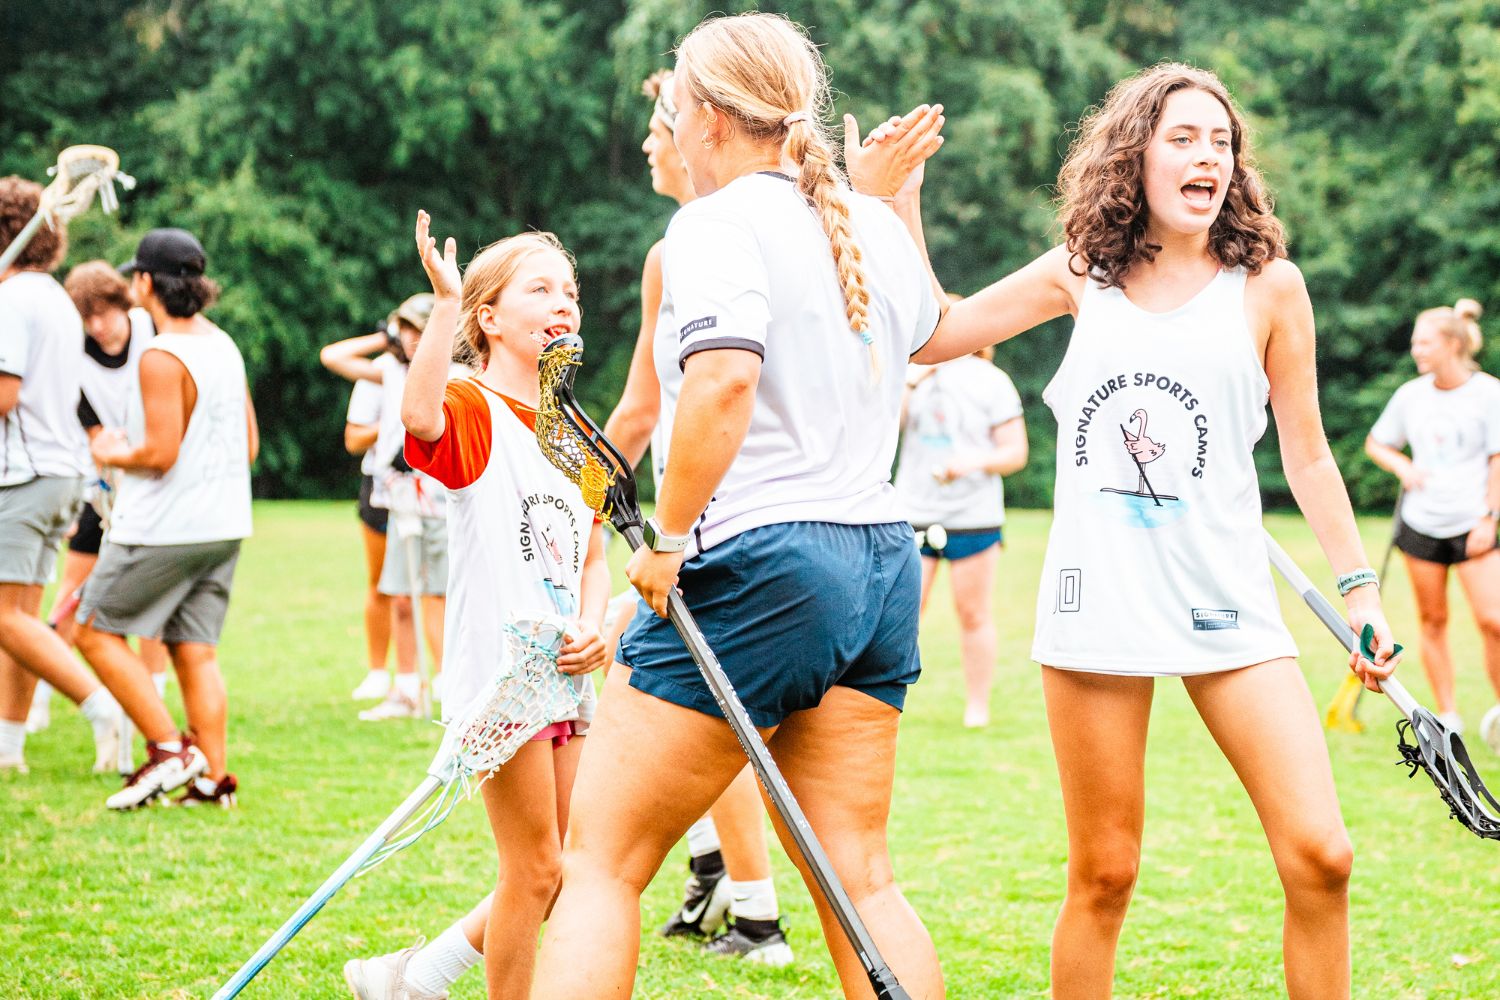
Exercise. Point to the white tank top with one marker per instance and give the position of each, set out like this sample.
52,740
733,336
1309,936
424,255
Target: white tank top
519,519
205,495
1156,563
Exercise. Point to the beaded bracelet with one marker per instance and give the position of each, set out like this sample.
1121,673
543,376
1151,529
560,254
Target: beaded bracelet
1358,578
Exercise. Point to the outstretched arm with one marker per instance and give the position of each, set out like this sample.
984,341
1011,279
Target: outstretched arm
422,399
634,417
351,358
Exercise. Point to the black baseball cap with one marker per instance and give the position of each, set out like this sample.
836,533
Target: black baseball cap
175,252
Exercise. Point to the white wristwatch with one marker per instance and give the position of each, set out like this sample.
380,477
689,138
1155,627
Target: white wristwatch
659,541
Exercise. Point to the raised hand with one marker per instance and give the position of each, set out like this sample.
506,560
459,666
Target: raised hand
441,271
889,161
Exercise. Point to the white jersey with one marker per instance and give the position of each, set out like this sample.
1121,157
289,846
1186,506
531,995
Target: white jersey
109,379
749,267
515,524
1452,433
205,495
365,400
41,339
377,462
1156,563
952,415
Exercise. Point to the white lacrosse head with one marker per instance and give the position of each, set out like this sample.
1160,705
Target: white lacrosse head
526,695
80,173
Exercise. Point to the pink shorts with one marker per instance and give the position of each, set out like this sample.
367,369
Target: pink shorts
559,733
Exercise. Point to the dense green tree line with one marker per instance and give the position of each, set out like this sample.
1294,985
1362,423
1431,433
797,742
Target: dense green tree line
299,139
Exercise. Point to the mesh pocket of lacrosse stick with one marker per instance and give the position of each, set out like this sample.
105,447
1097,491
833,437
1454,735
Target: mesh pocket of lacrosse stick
527,694
559,438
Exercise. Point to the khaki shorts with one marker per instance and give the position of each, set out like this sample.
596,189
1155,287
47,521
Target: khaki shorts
33,517
432,559
176,593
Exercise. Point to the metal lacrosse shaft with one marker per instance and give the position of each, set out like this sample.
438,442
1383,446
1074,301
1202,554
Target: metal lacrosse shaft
346,871
1330,617
22,238
882,979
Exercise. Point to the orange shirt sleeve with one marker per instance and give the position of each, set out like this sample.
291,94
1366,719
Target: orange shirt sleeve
459,457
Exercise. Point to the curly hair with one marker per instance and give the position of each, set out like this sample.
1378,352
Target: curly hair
1102,198
19,199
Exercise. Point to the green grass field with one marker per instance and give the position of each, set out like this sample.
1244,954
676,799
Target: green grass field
167,903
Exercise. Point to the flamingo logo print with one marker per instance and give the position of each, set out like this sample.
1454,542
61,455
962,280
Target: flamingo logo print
1143,451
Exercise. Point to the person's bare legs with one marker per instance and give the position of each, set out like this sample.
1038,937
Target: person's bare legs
204,701
17,685
76,568
434,606
1264,719
32,645
377,605
529,842
839,760
404,633
153,653
973,583
739,817
1097,718
1480,578
929,576
1429,584
127,678
634,798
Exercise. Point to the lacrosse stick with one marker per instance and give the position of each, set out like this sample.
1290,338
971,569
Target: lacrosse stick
526,696
1343,711
406,521
575,444
1434,747
80,173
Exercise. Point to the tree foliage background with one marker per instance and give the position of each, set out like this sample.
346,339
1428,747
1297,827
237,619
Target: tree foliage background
298,141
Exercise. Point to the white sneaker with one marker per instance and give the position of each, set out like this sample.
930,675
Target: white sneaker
164,771
976,716
1489,728
1453,721
384,978
107,749
40,715
13,764
375,686
395,706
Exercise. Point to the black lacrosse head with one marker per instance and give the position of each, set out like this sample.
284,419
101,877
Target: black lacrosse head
1439,751
574,443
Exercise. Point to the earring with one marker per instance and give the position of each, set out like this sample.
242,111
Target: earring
708,143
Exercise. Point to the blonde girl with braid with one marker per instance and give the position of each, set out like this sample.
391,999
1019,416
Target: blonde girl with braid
789,307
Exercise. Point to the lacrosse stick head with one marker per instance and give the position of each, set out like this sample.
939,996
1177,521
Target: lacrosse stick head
574,444
526,695
80,173
1428,745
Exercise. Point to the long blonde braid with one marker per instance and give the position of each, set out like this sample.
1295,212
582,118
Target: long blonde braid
766,74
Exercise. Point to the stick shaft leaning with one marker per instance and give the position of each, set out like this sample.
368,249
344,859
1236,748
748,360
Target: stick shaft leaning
346,871
881,978
1330,617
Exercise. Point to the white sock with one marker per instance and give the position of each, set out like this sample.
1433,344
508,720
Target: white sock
703,837
206,785
160,680
12,739
438,966
42,694
102,711
409,685
753,900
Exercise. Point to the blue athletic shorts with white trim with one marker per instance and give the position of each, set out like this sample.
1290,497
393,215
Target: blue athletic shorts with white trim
791,610
963,543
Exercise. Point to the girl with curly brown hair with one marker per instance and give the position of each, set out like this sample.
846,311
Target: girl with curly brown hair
1188,318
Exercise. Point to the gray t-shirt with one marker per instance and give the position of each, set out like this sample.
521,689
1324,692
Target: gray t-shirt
1452,434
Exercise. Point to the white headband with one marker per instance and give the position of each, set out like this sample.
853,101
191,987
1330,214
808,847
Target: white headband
795,117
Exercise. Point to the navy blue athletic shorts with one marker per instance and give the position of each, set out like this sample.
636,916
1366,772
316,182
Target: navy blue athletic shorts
963,543
790,610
